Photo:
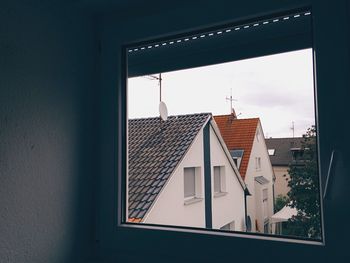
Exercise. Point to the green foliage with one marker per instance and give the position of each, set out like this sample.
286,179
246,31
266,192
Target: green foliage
280,202
304,190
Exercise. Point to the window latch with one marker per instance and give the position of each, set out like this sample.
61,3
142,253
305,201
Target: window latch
329,174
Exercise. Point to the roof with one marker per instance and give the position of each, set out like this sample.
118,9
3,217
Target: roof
238,134
283,149
155,149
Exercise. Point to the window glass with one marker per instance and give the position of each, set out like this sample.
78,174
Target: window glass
192,105
189,182
217,179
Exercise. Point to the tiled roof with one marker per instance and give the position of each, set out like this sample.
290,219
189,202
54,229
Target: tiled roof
155,149
238,134
283,154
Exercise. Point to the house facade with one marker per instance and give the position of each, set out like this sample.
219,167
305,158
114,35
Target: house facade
283,152
245,140
181,173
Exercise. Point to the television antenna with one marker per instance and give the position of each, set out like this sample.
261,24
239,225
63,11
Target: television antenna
159,78
163,110
232,110
292,128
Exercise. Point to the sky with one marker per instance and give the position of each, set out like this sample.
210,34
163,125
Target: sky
278,89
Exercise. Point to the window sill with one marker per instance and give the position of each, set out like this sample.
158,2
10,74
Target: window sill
216,195
192,200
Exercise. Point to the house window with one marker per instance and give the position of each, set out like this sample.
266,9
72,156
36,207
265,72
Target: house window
266,227
189,182
237,156
257,163
229,227
219,180
192,185
271,152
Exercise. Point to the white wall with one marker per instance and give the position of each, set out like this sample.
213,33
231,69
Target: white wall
254,202
228,207
169,207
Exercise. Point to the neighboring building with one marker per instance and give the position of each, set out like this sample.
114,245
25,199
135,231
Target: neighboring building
283,152
245,140
181,173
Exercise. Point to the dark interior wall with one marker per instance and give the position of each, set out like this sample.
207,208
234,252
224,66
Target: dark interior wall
47,120
59,84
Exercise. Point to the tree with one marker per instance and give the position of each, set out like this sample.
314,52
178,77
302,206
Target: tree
304,192
280,202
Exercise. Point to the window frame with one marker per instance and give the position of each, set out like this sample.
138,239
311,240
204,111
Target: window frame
222,181
194,182
198,194
133,228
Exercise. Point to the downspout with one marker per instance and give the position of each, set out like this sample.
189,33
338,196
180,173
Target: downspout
246,193
207,177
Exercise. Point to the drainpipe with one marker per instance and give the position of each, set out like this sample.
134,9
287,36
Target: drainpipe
246,193
207,178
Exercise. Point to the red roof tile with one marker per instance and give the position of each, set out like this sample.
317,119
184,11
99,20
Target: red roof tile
238,134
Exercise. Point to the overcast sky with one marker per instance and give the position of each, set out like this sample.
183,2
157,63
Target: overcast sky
278,89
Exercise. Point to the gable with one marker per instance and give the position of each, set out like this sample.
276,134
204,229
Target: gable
238,134
155,149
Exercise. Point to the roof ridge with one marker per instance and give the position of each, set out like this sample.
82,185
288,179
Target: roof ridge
228,115
180,115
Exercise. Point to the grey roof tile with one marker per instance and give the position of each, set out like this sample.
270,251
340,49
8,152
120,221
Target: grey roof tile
155,149
283,154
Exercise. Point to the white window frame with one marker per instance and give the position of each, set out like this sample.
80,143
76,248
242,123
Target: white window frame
198,195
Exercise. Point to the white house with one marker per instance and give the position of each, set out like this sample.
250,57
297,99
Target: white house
181,173
245,140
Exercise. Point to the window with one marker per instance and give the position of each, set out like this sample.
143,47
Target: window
219,180
271,151
169,142
189,182
192,185
257,163
237,156
266,227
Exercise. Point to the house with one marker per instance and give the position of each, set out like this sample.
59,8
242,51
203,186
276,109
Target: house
283,152
245,140
181,173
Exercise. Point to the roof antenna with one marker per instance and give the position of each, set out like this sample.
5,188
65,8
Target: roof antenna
292,128
232,110
163,111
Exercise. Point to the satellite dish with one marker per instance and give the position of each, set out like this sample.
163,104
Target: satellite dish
163,111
